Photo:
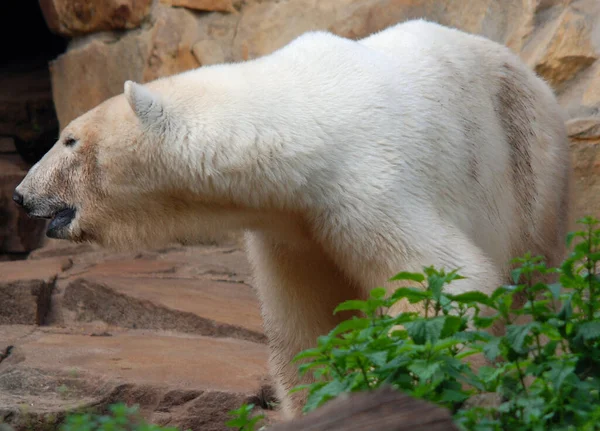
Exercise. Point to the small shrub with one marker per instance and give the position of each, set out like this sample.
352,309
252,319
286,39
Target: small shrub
544,371
120,418
244,420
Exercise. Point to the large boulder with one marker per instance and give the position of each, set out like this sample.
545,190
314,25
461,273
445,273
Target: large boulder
75,17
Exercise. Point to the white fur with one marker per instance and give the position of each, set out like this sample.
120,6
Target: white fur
356,155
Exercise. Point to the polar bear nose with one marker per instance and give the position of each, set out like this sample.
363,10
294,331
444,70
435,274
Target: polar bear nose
18,198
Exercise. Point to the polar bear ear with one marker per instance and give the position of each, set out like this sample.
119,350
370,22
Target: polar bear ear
147,105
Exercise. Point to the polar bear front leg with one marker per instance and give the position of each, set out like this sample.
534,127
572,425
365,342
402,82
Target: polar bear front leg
298,287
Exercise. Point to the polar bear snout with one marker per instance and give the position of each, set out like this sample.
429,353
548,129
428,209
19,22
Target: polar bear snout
58,212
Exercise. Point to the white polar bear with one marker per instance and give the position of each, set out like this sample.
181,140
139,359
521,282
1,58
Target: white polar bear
344,161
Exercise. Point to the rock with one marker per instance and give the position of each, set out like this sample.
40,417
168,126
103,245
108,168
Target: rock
218,309
201,290
142,55
203,5
75,17
186,381
562,48
584,129
585,149
18,233
25,290
267,26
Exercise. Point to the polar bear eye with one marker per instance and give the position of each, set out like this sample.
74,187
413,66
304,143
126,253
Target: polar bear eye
69,142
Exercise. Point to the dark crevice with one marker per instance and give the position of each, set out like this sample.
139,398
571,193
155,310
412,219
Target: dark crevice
6,353
265,398
26,104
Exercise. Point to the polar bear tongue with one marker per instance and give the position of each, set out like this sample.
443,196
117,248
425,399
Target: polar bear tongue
60,221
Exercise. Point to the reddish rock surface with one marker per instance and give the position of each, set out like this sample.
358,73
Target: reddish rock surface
75,17
176,331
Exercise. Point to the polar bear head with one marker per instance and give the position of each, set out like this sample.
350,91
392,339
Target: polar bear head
109,180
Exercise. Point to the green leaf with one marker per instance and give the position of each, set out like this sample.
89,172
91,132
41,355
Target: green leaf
451,326
423,369
559,371
378,293
491,349
412,294
516,335
516,275
353,324
589,330
353,304
308,353
469,297
555,288
483,322
411,276
566,311
570,237
324,394
379,359
435,285
425,330
453,396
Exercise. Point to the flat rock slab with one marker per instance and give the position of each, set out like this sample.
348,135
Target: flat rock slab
204,307
170,375
200,290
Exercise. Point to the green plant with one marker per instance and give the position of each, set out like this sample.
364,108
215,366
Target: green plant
120,418
243,419
544,369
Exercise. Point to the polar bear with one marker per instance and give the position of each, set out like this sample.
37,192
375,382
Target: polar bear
343,161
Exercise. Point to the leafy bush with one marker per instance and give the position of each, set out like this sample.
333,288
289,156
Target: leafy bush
120,418
542,373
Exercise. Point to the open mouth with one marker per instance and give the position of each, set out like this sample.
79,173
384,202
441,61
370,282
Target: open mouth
61,220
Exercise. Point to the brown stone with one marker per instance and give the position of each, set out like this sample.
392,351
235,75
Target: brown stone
178,380
563,48
267,26
162,294
25,290
99,65
18,232
585,149
203,5
76,17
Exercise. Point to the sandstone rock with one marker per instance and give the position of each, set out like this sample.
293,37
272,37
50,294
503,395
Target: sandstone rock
562,47
203,5
185,381
97,66
187,291
191,306
25,290
585,150
215,37
18,232
75,17
267,26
